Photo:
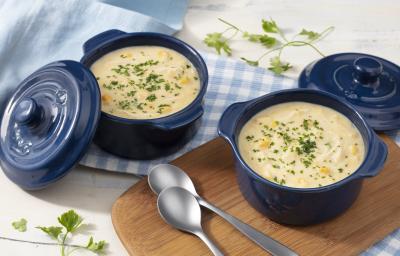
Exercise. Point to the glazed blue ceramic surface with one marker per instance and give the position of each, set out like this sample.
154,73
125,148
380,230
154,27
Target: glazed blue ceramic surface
49,123
150,138
299,206
371,84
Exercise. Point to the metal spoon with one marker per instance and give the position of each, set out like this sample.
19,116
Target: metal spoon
165,175
180,209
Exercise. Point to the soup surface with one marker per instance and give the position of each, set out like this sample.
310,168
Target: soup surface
302,145
145,82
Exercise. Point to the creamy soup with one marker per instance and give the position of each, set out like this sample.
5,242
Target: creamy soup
301,145
145,82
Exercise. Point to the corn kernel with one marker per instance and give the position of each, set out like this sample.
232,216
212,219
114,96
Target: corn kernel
184,80
265,143
106,99
324,170
354,149
274,124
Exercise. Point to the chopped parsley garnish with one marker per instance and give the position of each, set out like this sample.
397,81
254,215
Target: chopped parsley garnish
305,125
122,70
140,106
124,104
316,125
303,139
151,97
135,83
249,137
307,146
131,93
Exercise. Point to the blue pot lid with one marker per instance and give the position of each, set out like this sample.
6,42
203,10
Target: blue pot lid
49,123
370,83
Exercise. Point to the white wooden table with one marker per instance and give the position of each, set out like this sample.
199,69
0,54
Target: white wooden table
361,26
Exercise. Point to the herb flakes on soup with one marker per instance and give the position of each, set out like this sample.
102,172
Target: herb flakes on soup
303,145
145,82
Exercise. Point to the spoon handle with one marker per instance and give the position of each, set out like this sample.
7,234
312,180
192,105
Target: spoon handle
213,248
267,243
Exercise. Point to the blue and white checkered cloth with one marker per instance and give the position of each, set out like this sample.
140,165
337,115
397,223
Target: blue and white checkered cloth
230,81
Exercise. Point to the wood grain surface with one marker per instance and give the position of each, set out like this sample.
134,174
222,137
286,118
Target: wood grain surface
374,215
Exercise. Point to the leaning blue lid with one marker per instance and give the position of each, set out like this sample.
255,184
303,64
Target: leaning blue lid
370,83
49,123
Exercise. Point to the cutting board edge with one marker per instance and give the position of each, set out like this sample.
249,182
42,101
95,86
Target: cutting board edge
114,221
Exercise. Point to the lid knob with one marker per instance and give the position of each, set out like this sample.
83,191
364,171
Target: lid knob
367,70
27,112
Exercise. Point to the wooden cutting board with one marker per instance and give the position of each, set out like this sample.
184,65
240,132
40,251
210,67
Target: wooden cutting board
374,215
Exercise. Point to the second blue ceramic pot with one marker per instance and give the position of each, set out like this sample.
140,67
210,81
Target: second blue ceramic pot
298,206
149,138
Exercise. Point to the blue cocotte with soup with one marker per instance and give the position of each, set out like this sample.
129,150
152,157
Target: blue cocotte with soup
147,138
53,115
300,206
366,90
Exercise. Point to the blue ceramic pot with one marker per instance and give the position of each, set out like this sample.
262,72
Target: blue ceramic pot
150,138
299,206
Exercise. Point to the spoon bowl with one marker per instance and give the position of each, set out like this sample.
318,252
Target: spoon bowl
180,209
163,176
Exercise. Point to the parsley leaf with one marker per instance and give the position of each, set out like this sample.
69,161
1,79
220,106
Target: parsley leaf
277,66
268,41
151,97
219,42
270,26
53,231
252,37
250,62
20,225
310,34
70,220
96,247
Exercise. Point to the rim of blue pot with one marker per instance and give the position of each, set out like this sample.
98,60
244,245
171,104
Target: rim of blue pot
197,102
251,103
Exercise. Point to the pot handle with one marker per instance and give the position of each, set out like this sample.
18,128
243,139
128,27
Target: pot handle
101,38
227,123
377,159
185,118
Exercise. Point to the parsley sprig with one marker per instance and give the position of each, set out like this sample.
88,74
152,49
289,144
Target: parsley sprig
20,225
272,38
70,222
